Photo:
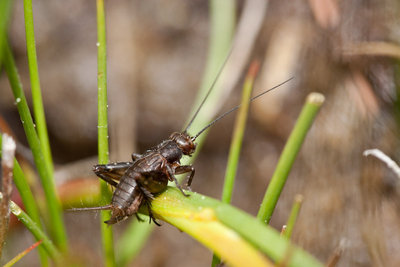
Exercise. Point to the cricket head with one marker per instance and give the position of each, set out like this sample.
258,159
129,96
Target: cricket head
185,142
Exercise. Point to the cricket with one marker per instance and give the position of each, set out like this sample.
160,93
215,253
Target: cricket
138,181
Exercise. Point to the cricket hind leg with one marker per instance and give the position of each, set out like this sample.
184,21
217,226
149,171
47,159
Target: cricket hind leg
145,196
151,216
138,218
185,169
149,196
117,215
112,171
136,156
135,205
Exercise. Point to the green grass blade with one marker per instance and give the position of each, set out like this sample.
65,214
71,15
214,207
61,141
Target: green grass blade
128,250
265,238
5,10
293,216
215,261
236,144
103,152
197,216
34,229
209,220
56,223
29,202
38,109
290,151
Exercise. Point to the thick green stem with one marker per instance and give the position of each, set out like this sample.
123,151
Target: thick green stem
289,154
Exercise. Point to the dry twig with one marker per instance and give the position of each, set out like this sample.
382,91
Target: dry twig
7,163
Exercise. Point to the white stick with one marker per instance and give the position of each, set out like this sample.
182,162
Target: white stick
384,158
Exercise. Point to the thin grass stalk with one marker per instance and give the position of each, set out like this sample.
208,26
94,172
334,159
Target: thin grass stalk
222,28
102,128
293,216
35,230
22,254
53,205
222,25
29,202
289,154
38,110
335,256
237,139
5,10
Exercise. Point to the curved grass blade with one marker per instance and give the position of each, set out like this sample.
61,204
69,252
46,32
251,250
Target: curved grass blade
34,229
200,216
29,202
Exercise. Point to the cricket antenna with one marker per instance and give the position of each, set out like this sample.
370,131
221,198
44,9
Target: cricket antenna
208,92
235,108
107,207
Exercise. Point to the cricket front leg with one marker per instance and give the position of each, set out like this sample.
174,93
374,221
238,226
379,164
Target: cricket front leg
111,172
185,169
172,177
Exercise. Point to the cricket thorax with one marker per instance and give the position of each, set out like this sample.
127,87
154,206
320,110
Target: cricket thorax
171,151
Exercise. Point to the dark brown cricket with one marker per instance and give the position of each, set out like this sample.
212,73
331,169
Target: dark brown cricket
137,182
147,175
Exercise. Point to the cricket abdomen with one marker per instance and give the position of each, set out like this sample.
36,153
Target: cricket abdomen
125,192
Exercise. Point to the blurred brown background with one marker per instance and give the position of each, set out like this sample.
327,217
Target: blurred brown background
156,55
